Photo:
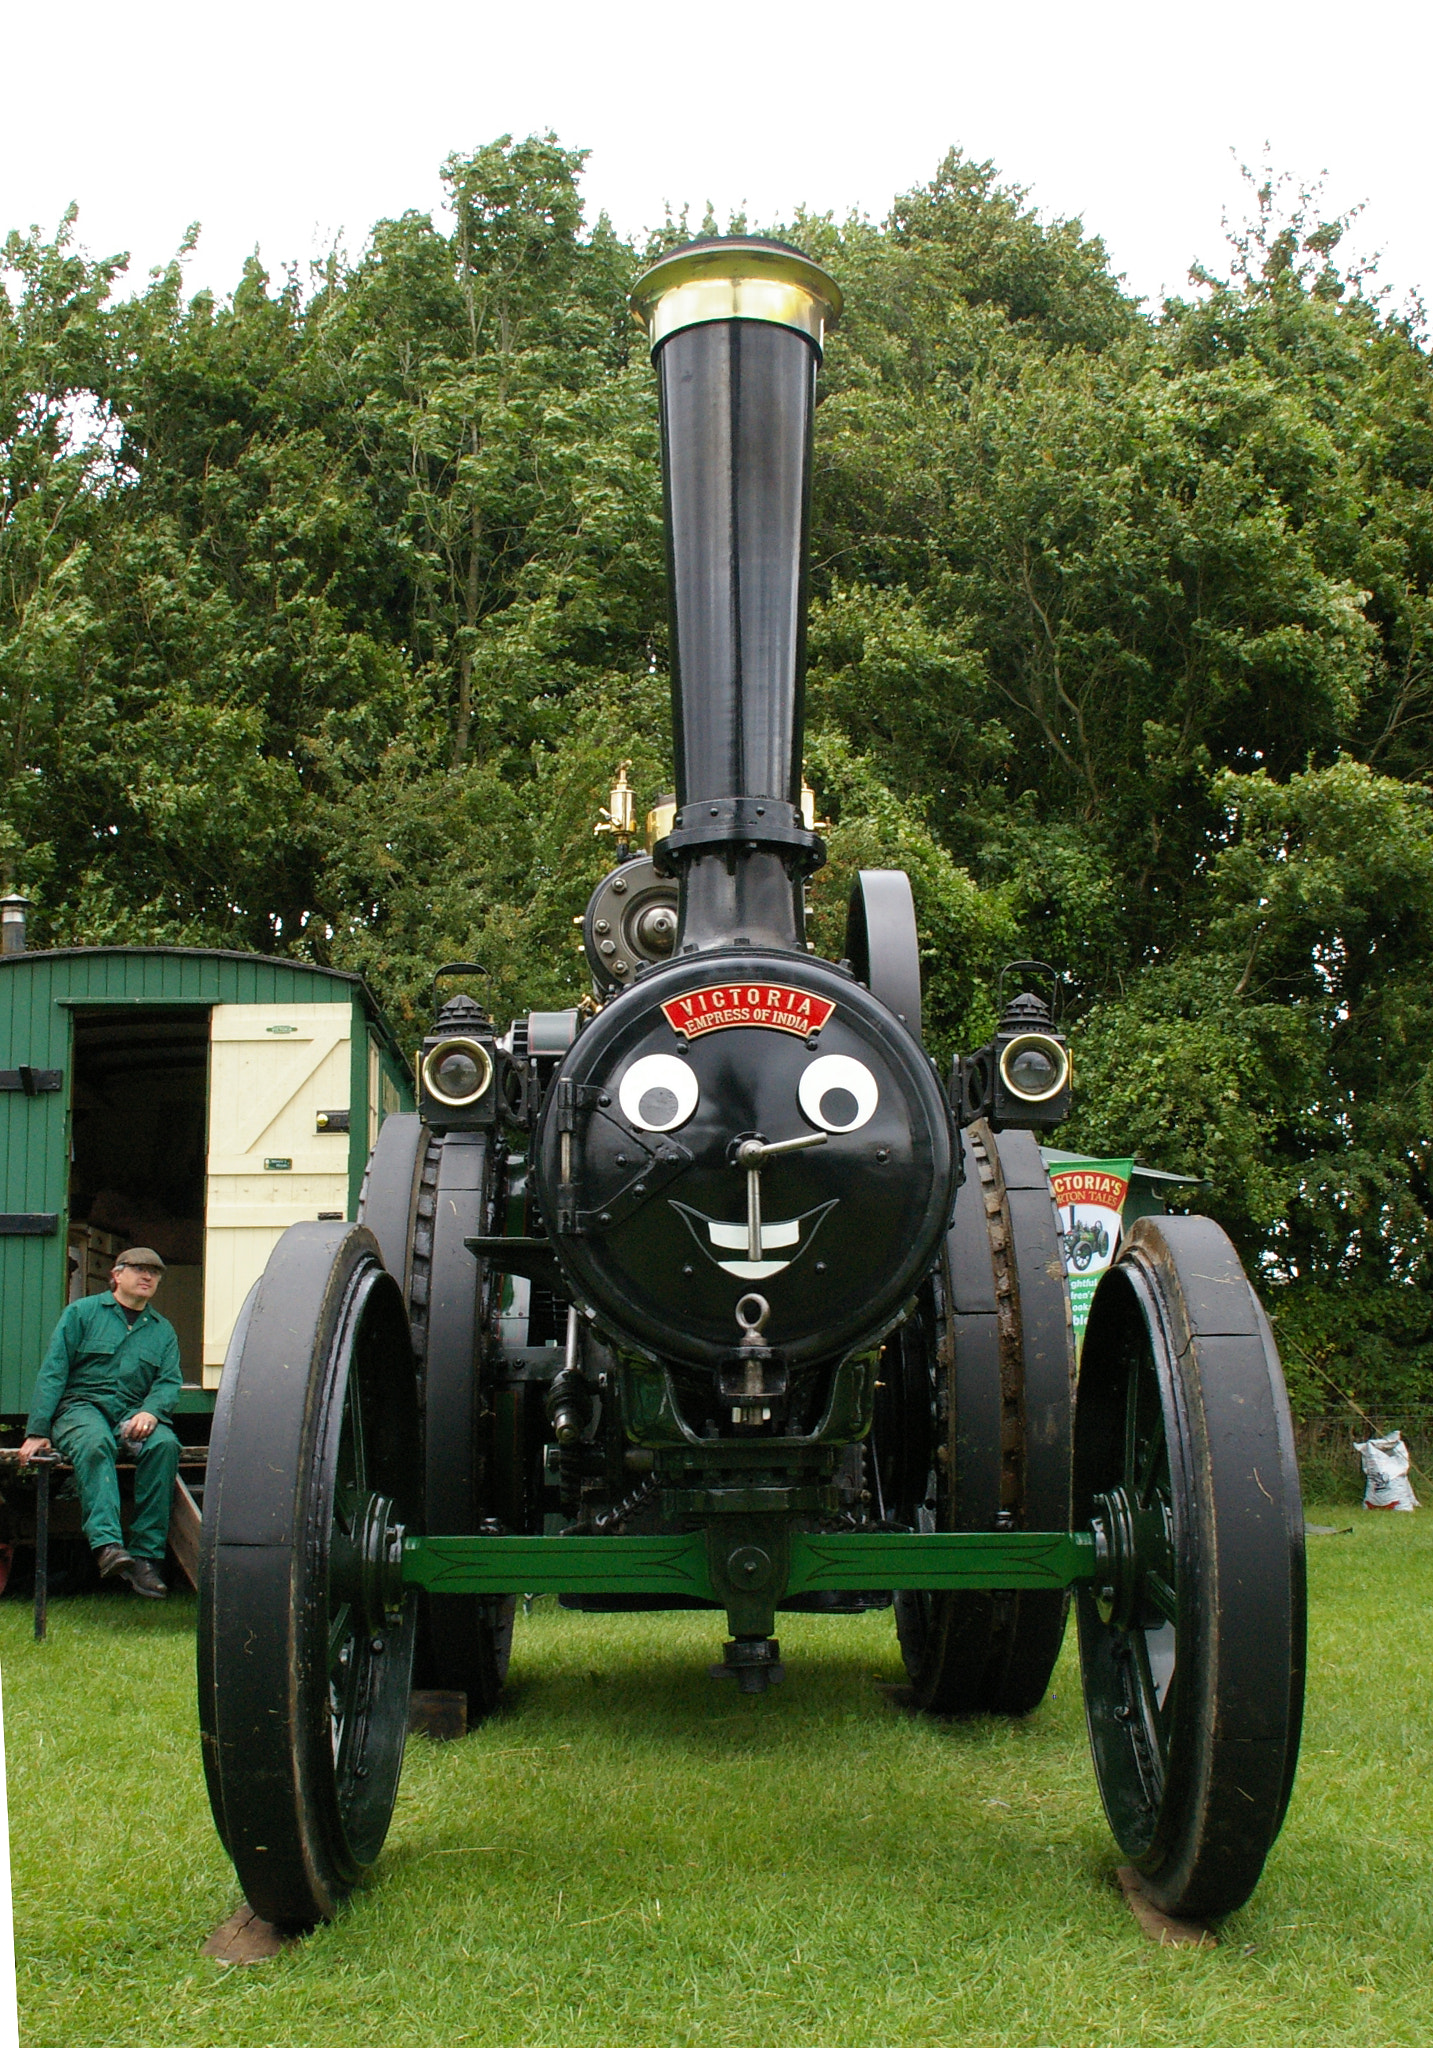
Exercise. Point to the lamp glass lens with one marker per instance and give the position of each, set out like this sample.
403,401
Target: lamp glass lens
1035,1067
455,1076
1033,1071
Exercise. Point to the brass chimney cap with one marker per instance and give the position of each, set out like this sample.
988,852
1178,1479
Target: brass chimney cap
735,278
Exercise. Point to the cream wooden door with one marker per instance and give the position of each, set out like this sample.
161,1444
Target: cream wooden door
272,1068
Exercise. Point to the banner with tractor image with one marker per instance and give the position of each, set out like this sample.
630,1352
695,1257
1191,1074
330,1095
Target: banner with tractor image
1089,1198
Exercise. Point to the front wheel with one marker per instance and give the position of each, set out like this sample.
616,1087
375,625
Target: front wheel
305,1630
1192,1635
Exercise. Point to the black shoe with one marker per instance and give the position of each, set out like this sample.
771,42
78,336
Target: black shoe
112,1559
141,1577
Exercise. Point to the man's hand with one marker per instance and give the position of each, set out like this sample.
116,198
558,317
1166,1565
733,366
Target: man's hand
31,1445
138,1426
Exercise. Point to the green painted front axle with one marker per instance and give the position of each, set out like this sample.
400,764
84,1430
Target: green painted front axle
708,1565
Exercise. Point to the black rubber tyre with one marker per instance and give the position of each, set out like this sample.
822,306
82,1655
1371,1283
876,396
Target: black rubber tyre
1002,1378
426,1193
1193,1652
305,1634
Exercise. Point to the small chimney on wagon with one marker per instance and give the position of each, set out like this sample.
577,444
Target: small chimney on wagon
13,912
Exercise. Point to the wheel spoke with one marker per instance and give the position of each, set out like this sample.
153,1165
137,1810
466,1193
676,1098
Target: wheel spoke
1148,1724
1153,1461
1130,1467
1161,1650
1160,1595
351,1461
340,1629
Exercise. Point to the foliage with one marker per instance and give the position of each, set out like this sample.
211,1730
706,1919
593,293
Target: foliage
328,610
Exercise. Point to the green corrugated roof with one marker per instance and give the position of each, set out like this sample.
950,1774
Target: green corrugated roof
277,963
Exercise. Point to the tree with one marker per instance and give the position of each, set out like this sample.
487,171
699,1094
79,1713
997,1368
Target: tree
328,609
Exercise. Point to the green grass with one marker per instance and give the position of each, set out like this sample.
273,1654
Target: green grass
632,1854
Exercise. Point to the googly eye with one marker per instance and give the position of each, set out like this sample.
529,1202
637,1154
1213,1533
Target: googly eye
838,1093
658,1093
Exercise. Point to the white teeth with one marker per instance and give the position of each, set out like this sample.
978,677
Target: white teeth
732,1237
714,1237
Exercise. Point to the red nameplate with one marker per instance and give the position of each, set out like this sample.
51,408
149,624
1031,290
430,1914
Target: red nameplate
747,1002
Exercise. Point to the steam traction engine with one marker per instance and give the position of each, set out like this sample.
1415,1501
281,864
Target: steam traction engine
813,1346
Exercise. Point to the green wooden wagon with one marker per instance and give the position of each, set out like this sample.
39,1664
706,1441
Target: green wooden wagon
197,1101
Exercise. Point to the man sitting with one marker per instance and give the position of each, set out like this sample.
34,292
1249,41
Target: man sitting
112,1374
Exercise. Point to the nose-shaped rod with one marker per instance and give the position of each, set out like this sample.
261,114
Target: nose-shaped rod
753,1153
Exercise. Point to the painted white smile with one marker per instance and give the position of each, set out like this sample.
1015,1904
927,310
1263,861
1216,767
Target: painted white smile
734,1237
775,1237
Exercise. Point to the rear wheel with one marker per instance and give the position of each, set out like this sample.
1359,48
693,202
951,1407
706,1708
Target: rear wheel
305,1630
1192,1639
439,1186
998,1367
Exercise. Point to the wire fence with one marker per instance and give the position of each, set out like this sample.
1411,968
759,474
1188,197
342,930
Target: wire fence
1329,1465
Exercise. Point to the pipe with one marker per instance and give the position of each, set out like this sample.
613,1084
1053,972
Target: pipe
736,329
13,913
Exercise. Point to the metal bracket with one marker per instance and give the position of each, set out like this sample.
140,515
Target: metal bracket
31,1080
531,1257
573,1100
661,1167
740,822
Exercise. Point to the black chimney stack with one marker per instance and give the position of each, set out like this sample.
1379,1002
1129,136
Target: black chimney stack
736,328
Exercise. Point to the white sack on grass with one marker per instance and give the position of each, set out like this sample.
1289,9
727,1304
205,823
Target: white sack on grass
1385,1466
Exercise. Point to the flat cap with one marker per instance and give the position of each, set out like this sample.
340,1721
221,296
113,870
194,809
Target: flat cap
141,1255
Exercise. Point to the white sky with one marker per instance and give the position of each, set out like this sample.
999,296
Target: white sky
288,123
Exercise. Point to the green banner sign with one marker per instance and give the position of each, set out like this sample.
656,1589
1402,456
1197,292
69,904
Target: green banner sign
1090,1197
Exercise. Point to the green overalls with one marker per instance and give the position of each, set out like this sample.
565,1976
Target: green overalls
97,1372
